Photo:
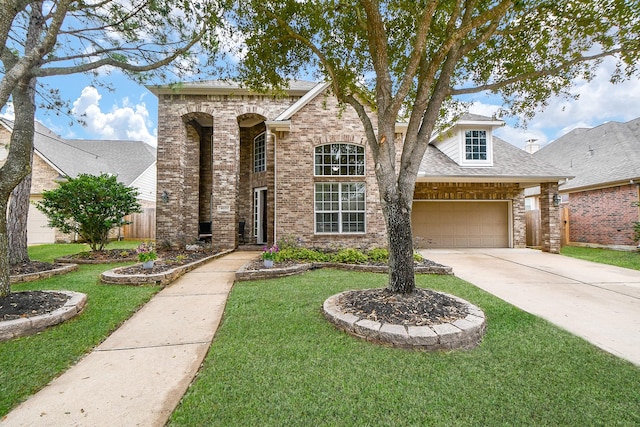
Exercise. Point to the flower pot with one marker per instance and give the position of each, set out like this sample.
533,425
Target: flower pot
147,265
268,263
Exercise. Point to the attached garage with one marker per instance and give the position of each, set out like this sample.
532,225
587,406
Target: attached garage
38,232
461,224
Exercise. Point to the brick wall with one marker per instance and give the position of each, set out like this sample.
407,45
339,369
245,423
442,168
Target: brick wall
604,216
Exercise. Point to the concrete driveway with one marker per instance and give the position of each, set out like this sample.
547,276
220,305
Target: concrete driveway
598,302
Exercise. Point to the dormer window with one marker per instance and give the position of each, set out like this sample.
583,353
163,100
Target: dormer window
475,144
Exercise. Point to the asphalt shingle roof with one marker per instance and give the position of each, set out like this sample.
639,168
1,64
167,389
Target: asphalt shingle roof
607,154
126,159
509,163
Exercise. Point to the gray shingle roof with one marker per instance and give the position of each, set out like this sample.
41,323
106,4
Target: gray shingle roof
126,159
509,164
607,154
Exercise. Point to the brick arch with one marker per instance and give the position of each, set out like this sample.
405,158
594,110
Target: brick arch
252,111
191,115
195,109
338,139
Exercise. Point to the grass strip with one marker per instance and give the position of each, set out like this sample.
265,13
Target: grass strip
276,361
27,364
624,259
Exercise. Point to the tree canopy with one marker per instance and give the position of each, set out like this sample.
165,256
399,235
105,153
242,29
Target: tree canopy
405,59
143,38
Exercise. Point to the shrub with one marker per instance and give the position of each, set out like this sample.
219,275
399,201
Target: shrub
300,254
90,206
378,255
350,256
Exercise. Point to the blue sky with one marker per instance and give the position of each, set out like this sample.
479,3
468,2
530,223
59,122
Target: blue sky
130,111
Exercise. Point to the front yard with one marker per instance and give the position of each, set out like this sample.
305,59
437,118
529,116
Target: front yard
276,361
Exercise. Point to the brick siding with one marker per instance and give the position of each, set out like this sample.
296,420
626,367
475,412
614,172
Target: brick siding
604,216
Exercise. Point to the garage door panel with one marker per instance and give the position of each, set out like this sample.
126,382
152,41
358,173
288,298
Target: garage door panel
461,224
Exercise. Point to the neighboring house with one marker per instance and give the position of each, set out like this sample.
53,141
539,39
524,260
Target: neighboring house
297,166
55,157
600,199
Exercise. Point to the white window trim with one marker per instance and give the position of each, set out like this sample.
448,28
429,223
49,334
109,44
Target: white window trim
264,135
364,159
339,233
463,151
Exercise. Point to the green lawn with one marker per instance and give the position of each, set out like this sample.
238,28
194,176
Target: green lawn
29,363
276,361
604,256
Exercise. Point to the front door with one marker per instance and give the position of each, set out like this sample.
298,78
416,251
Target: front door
260,215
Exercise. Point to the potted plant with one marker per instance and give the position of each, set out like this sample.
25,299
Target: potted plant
268,255
146,255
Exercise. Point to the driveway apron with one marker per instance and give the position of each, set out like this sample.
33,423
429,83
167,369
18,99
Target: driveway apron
598,302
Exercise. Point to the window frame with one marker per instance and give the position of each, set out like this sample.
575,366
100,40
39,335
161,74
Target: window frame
341,210
360,169
262,167
488,147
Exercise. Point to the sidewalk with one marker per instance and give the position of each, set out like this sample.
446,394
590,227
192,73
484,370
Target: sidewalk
137,376
598,302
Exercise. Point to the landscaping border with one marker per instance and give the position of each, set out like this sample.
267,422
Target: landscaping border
30,277
464,333
25,326
245,274
112,277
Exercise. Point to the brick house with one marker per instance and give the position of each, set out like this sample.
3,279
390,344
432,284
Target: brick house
605,161
297,165
55,157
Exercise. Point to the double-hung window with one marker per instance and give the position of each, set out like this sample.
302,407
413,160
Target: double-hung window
339,207
259,153
475,145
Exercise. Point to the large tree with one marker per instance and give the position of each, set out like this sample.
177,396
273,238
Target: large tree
411,59
65,37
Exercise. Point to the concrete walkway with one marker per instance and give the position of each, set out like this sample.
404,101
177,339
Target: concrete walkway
598,302
138,375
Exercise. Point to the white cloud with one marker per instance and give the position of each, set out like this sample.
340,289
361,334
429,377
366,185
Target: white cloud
127,122
599,101
7,111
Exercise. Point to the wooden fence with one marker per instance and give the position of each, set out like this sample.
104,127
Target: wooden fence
143,225
533,221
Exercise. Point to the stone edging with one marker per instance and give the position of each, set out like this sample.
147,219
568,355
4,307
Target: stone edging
31,325
30,277
94,261
245,274
164,278
462,334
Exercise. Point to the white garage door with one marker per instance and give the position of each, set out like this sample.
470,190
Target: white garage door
461,224
37,230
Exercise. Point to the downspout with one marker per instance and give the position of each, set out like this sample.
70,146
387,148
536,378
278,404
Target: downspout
275,185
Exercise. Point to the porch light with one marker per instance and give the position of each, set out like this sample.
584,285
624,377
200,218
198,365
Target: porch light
165,196
556,200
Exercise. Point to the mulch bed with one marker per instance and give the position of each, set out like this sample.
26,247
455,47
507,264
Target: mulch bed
167,260
420,308
31,303
32,267
109,255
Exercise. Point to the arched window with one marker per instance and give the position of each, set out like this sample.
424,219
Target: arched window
259,153
339,160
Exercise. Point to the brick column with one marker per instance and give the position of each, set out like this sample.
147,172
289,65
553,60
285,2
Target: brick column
550,218
226,146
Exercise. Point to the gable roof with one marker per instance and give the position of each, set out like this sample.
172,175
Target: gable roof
510,164
608,154
126,159
224,87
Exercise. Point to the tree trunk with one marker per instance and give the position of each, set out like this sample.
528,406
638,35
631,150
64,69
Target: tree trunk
17,221
17,166
397,215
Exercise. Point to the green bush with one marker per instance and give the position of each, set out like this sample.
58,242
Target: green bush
378,255
90,206
417,257
350,256
300,254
